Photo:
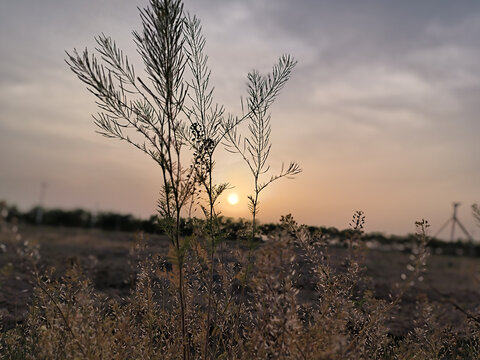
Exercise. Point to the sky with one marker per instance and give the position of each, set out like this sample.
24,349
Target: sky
381,112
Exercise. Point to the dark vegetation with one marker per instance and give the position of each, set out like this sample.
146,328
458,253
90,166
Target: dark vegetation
80,218
233,229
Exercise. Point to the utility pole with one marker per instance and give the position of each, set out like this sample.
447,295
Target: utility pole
454,220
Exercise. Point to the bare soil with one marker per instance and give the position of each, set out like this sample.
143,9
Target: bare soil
107,259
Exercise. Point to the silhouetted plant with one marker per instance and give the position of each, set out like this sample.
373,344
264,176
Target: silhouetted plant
156,119
255,148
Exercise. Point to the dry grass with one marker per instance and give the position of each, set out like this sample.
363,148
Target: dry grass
257,312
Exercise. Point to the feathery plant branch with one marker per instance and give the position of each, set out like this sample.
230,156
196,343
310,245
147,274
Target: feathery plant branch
255,148
128,103
274,83
167,115
204,134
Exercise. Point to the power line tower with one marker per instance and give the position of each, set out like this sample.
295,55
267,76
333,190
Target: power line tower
454,220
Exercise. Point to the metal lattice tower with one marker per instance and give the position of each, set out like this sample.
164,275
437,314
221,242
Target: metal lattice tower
454,220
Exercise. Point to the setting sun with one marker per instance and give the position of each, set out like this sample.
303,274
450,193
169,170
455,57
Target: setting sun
232,199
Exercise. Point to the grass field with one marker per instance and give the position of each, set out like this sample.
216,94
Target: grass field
107,259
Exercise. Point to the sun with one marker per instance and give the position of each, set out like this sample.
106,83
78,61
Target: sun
232,198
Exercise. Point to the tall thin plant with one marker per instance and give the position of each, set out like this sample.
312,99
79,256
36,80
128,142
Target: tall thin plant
209,126
167,116
255,147
132,107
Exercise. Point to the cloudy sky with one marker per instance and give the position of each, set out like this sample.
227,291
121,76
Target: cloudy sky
382,111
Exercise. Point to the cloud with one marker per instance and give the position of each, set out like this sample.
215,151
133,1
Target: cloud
385,96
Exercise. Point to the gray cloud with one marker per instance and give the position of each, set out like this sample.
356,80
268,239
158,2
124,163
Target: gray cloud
385,96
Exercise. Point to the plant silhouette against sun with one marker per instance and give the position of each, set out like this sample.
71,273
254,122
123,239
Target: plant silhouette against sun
171,117
255,148
129,106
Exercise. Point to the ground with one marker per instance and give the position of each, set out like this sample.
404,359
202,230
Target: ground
108,260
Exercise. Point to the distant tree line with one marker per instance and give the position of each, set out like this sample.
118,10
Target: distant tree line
233,229
80,218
